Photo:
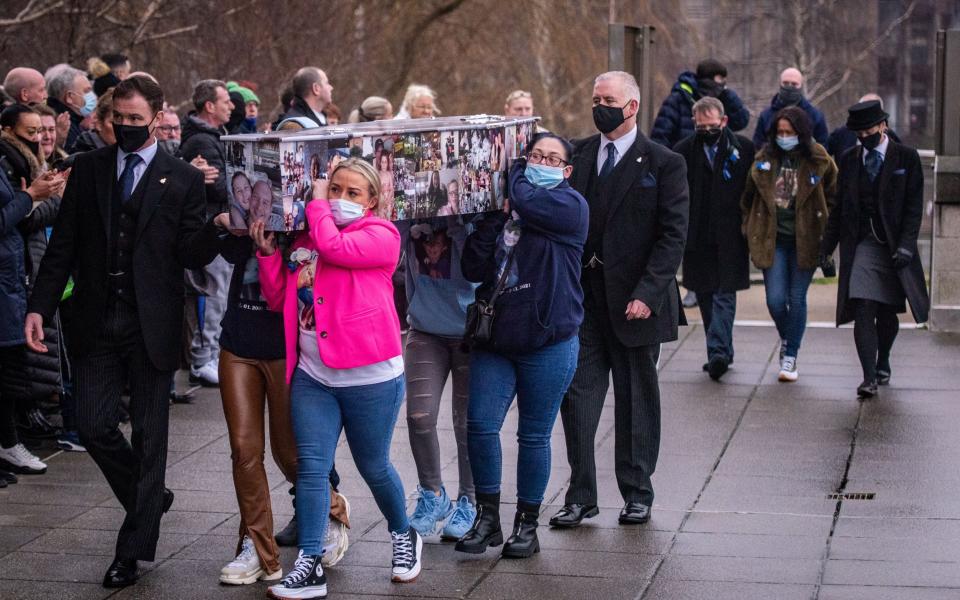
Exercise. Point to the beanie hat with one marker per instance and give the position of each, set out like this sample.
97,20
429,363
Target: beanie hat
246,93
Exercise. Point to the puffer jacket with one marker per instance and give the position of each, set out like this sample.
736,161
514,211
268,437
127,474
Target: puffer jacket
674,121
32,376
14,205
200,139
816,193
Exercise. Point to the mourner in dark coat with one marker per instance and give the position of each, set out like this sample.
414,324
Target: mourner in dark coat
637,193
716,260
876,222
130,222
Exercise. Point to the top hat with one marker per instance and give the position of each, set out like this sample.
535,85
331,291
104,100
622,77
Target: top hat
864,115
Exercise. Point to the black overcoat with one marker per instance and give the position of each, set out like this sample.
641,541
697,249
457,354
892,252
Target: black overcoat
901,212
716,257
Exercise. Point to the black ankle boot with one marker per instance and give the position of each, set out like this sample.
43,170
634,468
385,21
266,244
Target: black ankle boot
523,543
486,527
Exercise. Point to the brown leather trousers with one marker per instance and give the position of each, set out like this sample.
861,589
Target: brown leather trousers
247,387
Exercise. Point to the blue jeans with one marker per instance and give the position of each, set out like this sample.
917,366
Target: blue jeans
786,285
718,309
539,379
367,414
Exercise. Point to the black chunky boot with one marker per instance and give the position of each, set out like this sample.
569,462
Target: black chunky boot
486,527
523,543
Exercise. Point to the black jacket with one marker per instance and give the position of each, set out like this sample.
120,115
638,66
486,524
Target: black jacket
675,118
30,375
14,205
300,108
87,141
200,139
170,237
716,256
901,212
644,236
75,122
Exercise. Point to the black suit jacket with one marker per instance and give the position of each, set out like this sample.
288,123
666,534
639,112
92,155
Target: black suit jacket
644,236
170,236
901,213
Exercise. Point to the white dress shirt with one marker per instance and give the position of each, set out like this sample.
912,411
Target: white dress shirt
622,144
146,157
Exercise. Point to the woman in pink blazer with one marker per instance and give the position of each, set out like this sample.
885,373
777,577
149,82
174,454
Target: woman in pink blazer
344,360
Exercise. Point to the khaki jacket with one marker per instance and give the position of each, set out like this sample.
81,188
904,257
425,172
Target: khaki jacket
816,190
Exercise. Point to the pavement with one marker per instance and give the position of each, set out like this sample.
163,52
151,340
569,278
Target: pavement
745,507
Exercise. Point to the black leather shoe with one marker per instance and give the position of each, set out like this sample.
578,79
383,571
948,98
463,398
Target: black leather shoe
883,376
485,531
572,514
717,367
6,477
523,543
122,572
867,389
634,513
167,499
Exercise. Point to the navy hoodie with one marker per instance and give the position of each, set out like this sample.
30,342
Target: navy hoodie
542,301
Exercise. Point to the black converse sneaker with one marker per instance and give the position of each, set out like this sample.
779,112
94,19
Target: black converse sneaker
407,548
306,580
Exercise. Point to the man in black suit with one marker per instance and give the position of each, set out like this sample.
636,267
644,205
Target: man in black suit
131,220
637,191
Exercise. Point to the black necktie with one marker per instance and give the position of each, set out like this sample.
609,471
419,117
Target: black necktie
609,162
127,178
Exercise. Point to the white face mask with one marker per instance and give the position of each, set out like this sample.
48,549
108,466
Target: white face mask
345,212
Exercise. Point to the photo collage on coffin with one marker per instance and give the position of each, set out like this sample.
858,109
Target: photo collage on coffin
303,163
253,184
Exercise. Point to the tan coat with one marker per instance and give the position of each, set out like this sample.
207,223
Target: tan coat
816,189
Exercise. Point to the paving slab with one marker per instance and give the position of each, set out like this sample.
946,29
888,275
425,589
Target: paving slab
741,509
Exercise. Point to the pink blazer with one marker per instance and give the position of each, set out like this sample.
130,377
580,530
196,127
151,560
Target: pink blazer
357,323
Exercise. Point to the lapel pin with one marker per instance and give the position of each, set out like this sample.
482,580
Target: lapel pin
163,180
639,159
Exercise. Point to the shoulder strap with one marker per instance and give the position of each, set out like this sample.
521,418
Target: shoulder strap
503,278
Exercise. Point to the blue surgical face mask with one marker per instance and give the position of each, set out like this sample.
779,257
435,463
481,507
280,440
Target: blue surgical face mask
251,122
345,212
89,104
788,143
543,175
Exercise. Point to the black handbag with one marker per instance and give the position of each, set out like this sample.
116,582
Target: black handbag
480,314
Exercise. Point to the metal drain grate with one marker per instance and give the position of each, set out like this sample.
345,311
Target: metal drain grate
852,496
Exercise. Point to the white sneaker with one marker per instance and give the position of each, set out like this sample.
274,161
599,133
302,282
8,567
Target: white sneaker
335,542
20,460
245,568
207,375
788,369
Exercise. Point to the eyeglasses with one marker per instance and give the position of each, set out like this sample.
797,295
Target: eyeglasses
169,128
553,161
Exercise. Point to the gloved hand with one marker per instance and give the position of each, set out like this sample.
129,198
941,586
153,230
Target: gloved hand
827,266
901,258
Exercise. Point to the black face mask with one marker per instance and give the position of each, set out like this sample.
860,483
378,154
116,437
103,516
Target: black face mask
131,138
709,136
709,87
871,141
608,118
33,146
790,96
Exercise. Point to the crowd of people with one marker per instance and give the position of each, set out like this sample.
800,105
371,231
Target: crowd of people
119,264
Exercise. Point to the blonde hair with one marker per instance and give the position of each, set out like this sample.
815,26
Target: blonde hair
365,170
516,95
416,90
